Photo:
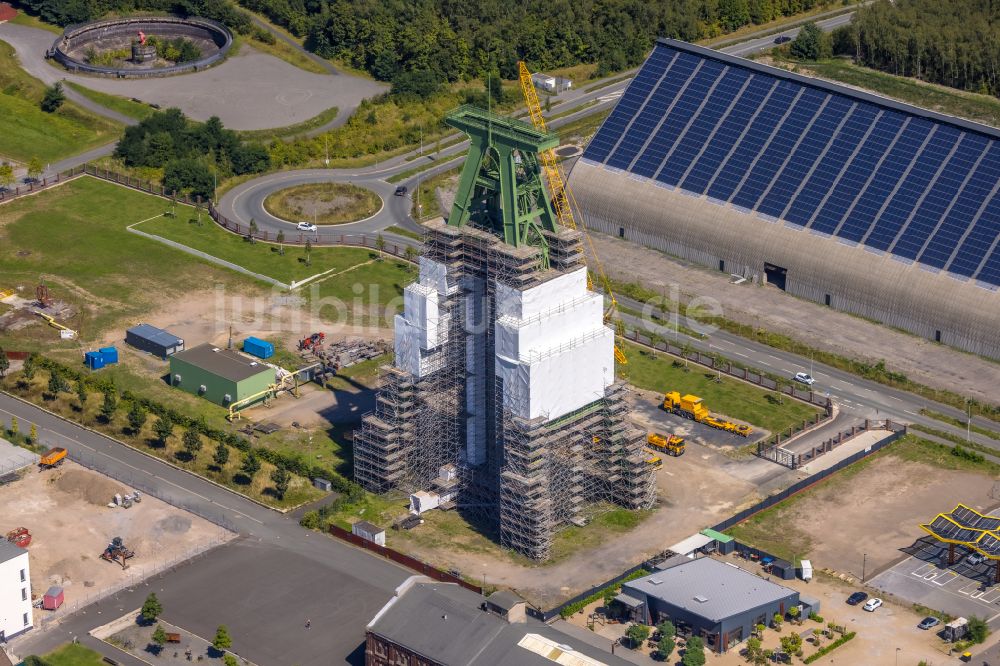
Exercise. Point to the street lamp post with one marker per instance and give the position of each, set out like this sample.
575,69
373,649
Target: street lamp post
864,565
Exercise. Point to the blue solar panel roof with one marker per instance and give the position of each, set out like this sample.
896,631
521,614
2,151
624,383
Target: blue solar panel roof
896,178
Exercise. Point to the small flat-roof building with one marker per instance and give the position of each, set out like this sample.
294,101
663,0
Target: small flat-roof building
219,375
154,340
718,601
369,532
442,624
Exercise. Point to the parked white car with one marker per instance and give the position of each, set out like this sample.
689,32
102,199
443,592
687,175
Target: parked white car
805,378
305,226
872,604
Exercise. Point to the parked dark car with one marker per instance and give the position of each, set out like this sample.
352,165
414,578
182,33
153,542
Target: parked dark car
782,39
401,191
856,598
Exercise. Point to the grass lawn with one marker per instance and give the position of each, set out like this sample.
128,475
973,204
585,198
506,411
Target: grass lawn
581,128
26,131
769,530
260,487
91,261
122,105
323,203
73,654
370,294
425,201
318,447
35,22
730,397
981,108
606,521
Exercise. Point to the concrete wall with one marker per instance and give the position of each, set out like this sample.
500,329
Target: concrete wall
857,280
15,596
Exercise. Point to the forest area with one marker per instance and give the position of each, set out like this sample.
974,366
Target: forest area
954,43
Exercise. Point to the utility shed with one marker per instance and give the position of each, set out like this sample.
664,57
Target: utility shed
219,375
719,602
154,340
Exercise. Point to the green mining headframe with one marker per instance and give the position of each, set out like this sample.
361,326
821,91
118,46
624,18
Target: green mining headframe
501,187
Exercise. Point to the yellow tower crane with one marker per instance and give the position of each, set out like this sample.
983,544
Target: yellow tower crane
563,202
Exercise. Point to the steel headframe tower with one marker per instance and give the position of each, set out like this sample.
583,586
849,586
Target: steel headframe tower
501,188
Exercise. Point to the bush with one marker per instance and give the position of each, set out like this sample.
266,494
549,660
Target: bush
965,454
827,649
54,98
571,609
816,618
978,629
637,635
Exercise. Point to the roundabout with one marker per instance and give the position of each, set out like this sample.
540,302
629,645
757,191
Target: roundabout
323,203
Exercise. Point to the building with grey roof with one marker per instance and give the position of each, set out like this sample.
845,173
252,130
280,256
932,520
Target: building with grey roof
715,600
15,591
443,624
154,340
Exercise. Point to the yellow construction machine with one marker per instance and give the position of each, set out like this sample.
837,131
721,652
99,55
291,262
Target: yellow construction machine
653,460
672,445
692,407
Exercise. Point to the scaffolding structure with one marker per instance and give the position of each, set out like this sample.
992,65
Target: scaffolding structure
459,413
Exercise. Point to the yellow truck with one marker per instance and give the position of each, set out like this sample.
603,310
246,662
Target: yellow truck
653,460
52,457
692,407
672,445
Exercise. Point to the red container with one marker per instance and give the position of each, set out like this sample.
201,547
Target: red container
53,599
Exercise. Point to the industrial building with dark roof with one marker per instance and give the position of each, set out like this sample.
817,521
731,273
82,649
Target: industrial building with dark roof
846,198
720,602
443,624
220,375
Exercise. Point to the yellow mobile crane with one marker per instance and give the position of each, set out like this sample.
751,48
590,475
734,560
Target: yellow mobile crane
562,197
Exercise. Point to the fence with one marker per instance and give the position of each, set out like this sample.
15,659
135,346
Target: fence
7,194
407,561
775,453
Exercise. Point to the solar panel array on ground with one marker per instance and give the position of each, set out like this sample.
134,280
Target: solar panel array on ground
821,157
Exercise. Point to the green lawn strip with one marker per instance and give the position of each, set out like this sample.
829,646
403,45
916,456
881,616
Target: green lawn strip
26,131
575,109
980,108
956,439
581,128
960,423
115,275
364,373
729,397
260,257
307,125
259,488
73,654
400,231
122,105
284,51
368,295
318,448
34,22
608,82
771,530
426,195
425,167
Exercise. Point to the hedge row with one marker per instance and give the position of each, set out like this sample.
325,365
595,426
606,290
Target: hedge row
293,464
577,606
827,649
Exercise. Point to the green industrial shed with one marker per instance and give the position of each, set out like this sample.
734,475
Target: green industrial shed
220,375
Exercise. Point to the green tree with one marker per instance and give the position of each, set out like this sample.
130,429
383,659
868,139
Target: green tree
609,597
791,644
811,43
33,434
163,428
253,231
81,394
28,370
281,479
281,242
6,175
694,653
380,246
665,648
160,636
13,426
221,456
4,363
666,628
978,629
755,652
309,247
250,465
35,168
637,634
53,98
222,640
229,660
56,383
192,442
777,620
410,253
109,406
136,418
151,608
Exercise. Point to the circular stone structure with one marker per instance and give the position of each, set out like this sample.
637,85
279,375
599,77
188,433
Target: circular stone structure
328,203
123,34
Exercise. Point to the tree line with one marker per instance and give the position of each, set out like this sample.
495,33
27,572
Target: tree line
954,43
193,155
426,43
68,12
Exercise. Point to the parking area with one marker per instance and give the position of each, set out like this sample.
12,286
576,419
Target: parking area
925,578
648,413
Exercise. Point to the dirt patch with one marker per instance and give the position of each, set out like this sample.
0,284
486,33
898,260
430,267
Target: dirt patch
323,203
66,512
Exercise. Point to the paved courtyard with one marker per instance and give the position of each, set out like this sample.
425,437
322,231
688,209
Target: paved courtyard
250,90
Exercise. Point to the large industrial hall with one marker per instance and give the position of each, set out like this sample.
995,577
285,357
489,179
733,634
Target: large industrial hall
867,205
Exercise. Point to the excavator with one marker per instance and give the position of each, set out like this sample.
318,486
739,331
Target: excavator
563,203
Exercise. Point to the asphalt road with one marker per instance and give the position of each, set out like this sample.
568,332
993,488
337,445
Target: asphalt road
752,46
264,586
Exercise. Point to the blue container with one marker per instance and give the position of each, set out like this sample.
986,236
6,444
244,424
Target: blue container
94,360
259,348
110,355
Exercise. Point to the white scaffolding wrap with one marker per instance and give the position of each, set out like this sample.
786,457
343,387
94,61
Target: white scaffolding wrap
553,352
421,329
